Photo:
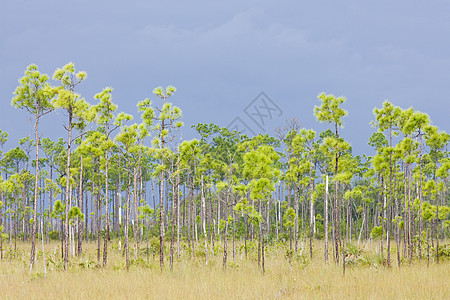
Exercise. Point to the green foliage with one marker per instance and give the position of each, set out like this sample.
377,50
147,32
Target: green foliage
58,210
330,111
53,235
253,215
67,99
34,92
288,218
75,212
376,232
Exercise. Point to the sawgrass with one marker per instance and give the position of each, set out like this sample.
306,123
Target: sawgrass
287,276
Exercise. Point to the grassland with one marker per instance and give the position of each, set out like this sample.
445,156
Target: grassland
286,277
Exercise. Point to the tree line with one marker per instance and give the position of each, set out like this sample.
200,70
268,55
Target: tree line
112,178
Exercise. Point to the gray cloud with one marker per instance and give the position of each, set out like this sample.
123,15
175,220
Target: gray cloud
220,55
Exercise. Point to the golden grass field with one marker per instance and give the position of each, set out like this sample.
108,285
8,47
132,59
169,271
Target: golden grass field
297,278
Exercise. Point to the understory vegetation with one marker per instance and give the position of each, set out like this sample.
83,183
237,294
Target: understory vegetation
288,275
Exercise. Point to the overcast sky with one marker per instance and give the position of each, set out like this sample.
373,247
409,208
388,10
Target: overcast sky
220,55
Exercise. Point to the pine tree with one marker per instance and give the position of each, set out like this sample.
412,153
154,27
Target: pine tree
34,94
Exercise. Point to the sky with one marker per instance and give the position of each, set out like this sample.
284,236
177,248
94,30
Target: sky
246,64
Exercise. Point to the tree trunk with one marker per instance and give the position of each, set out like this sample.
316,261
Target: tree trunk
311,220
326,219
118,203
127,221
204,221
135,204
99,215
36,182
174,214
66,221
296,200
437,206
410,242
106,237
161,218
80,205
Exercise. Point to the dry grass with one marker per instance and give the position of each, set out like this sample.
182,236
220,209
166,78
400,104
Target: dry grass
297,279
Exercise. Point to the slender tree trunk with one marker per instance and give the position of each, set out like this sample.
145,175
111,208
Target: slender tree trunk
213,231
437,207
311,210
336,224
420,197
428,245
296,204
397,226
343,242
161,218
260,253
410,242
86,218
99,215
383,215
225,244
118,203
36,182
106,237
204,220
136,219
66,220
234,236
178,206
80,205
174,215
127,221
337,230
326,219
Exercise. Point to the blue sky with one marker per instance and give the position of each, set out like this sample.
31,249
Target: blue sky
221,54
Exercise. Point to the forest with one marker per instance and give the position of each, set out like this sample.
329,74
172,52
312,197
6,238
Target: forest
131,192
